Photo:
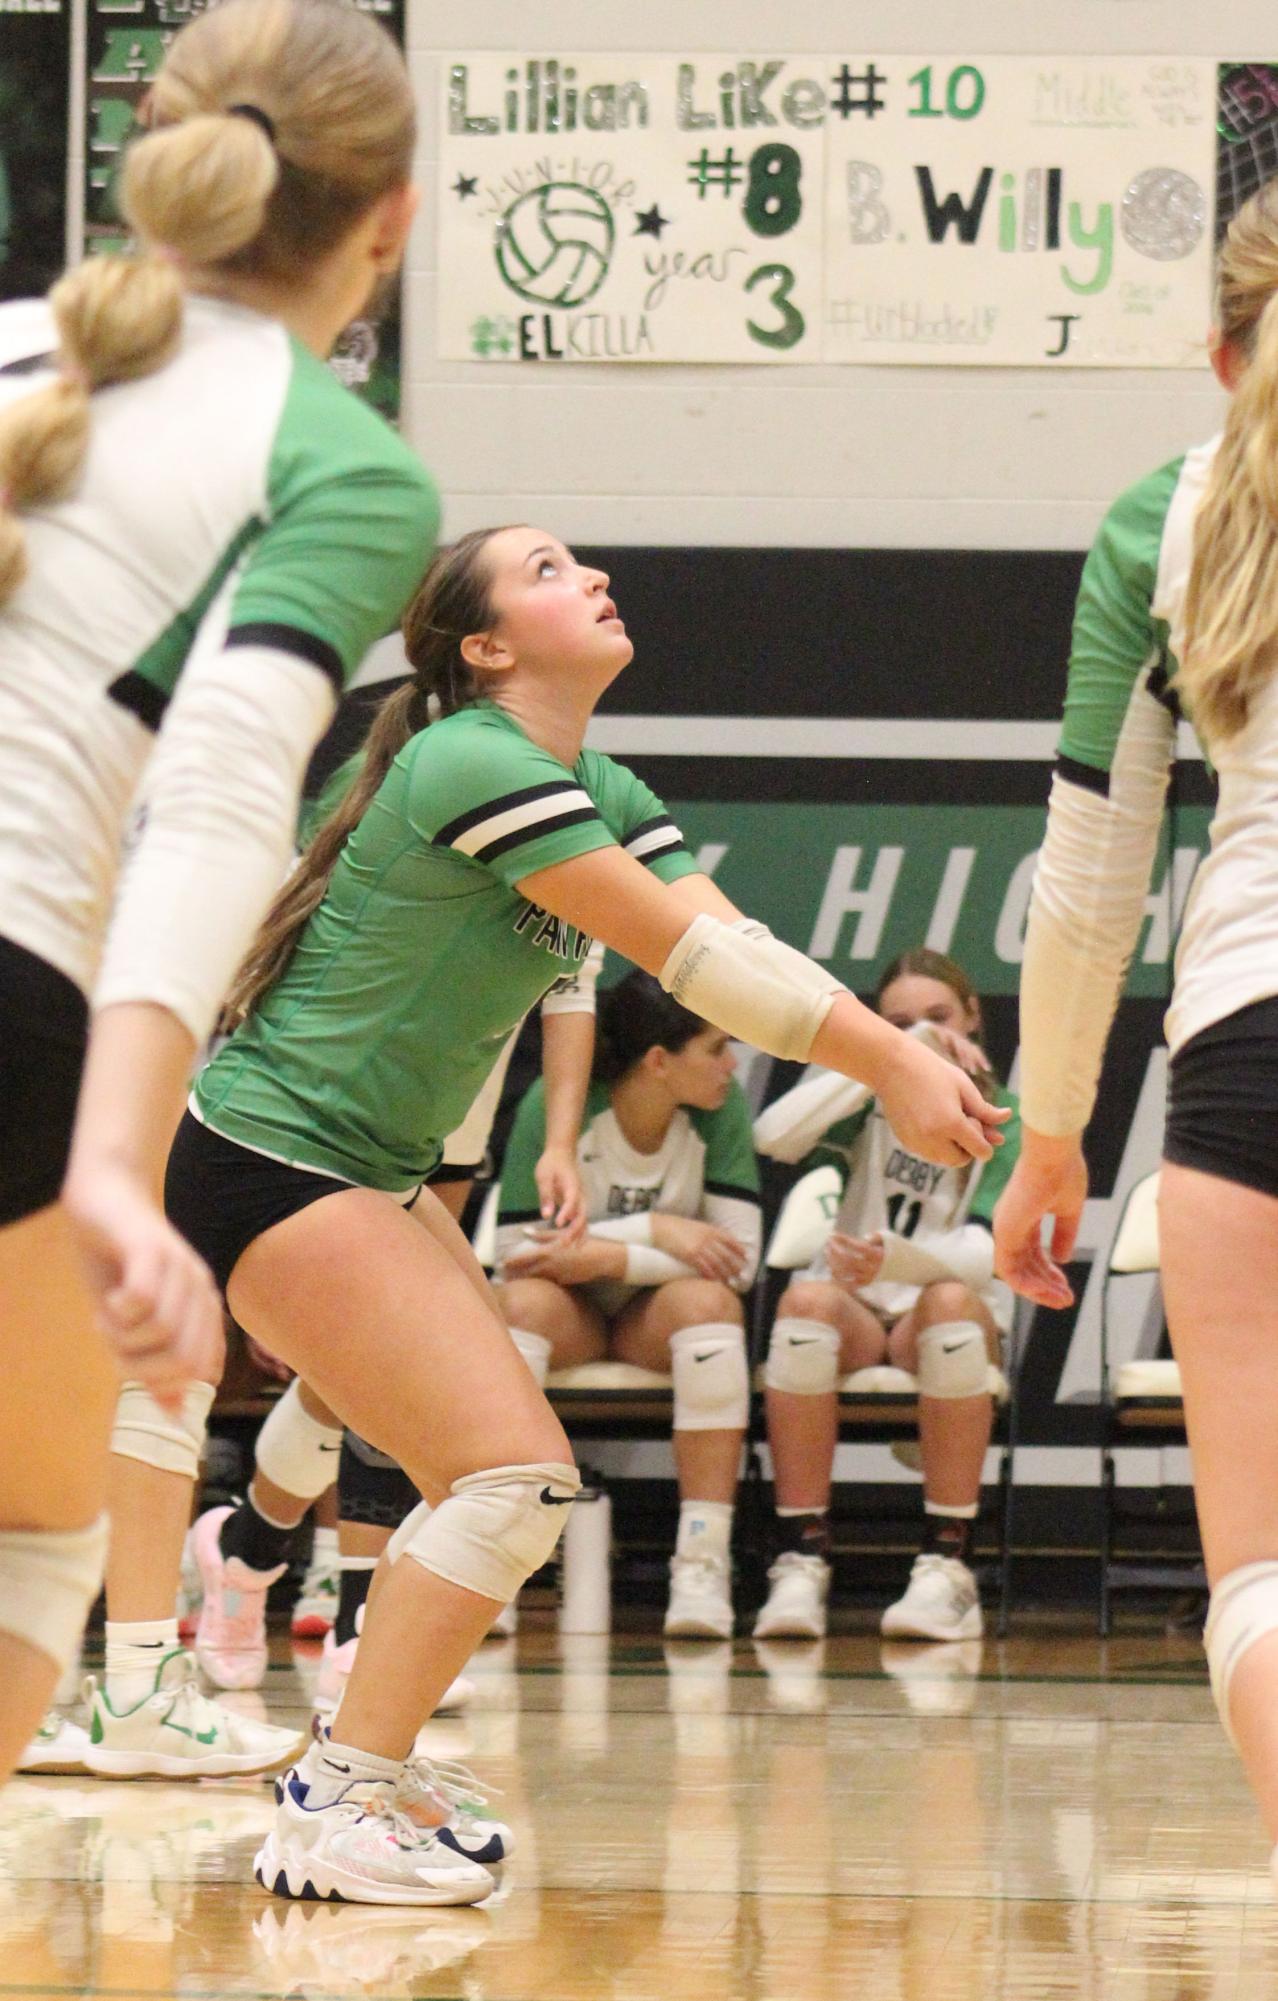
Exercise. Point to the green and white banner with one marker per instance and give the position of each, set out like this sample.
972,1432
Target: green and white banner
843,208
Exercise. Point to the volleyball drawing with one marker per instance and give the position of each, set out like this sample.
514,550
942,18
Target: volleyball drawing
554,244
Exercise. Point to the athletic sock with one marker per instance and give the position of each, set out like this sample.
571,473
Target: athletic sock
328,1768
705,1529
805,1531
258,1541
356,1577
948,1531
134,1651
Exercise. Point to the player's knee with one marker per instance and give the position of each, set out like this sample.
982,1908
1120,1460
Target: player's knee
711,1379
690,1302
534,1303
953,1362
807,1299
169,1440
494,1529
295,1452
803,1357
947,1299
1243,1609
49,1579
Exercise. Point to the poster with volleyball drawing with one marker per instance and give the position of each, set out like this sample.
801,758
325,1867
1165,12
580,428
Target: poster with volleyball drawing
1005,210
626,208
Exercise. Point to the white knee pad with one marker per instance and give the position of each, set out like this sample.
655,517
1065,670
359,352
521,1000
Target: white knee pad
535,1349
170,1440
803,1357
494,1529
49,1579
295,1451
711,1380
953,1360
1243,1609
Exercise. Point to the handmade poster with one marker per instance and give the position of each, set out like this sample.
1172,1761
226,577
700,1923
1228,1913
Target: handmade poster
34,70
1002,210
1247,135
1023,210
126,44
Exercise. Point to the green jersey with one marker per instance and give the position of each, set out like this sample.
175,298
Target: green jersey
373,1044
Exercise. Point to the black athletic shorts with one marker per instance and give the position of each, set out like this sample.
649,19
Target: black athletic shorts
44,1025
1222,1108
221,1196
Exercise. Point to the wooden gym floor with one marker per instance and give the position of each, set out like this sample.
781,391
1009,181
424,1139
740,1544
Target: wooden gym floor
1047,1817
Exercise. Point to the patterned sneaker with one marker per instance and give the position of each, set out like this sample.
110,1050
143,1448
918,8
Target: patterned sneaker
700,1606
335,1667
230,1640
360,1848
941,1602
796,1603
178,1733
316,1606
449,1798
58,1746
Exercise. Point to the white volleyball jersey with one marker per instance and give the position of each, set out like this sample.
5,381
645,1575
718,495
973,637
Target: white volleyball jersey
889,1190
238,497
705,1167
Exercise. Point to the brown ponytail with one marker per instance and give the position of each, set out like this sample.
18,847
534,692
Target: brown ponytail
1231,604
276,125
453,600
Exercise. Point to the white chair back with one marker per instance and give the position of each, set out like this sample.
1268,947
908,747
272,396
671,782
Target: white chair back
1136,1246
806,1220
484,1241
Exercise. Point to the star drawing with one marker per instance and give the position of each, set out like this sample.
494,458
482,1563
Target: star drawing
466,184
651,222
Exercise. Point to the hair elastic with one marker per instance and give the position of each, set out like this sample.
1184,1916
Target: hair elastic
256,116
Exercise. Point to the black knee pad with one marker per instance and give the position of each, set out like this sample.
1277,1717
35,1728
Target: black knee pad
371,1488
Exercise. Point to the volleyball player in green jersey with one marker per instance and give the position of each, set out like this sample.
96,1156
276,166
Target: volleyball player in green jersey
1179,601
422,923
201,534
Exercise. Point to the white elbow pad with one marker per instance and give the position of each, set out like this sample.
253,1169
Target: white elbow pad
744,980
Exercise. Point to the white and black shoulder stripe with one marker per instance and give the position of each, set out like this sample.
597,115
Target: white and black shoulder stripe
517,817
655,838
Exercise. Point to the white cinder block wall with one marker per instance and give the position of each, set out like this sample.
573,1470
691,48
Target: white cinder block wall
807,455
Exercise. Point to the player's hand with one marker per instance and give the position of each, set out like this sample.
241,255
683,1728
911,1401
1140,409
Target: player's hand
547,1253
709,1249
1049,1179
854,1261
935,1109
563,1199
158,1307
962,1050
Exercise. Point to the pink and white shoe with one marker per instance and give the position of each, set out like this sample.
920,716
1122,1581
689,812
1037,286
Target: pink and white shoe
230,1640
335,1667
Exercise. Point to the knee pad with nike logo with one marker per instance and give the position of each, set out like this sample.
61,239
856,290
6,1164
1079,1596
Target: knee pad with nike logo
711,1381
803,1357
494,1529
953,1361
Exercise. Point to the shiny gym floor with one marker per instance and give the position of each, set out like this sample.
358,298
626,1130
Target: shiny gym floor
842,1822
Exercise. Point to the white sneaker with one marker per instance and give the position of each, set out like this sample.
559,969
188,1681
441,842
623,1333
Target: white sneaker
700,1606
178,1733
58,1746
315,1608
941,1602
449,1798
360,1848
796,1603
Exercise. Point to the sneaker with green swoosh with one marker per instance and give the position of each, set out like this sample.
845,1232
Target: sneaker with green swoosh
177,1732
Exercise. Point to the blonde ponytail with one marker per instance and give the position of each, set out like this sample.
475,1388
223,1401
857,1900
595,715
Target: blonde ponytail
276,125
1231,603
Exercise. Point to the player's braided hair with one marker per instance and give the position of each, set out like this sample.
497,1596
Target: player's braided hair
452,601
1231,604
274,126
